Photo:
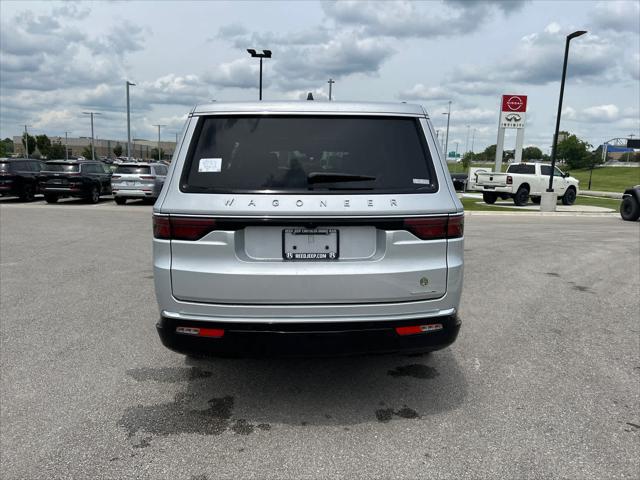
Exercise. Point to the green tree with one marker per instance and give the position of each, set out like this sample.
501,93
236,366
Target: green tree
531,153
31,142
467,158
574,152
57,150
153,154
117,150
44,145
6,147
86,152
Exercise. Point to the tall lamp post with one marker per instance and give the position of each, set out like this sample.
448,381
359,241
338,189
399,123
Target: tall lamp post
26,142
264,54
129,122
330,82
159,139
466,144
473,139
66,145
93,150
564,75
446,142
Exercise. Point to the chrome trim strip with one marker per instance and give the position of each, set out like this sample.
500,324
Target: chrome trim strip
332,319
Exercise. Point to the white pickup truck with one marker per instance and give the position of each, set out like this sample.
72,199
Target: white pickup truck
522,181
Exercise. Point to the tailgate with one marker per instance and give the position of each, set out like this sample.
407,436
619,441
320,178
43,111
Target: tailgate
491,179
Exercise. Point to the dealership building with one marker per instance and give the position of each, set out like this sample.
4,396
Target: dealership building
140,149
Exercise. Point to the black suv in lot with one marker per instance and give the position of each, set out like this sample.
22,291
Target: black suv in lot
75,178
19,177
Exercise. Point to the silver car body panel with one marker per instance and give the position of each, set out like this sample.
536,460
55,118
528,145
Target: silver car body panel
240,276
131,185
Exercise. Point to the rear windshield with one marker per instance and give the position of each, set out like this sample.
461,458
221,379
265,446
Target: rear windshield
4,167
520,168
61,167
266,154
133,169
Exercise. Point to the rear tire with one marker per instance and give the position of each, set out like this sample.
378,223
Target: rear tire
521,197
120,200
28,193
94,196
569,197
50,198
489,197
536,200
630,209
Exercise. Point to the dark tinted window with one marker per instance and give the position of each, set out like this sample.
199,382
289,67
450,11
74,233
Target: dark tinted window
160,169
133,169
61,167
254,154
545,170
521,168
36,166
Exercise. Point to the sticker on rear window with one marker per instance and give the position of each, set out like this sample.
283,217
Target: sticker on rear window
210,165
421,181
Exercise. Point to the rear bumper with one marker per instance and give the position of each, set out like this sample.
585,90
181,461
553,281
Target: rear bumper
132,193
307,339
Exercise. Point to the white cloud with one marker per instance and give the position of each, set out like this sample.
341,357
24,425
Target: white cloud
422,92
601,113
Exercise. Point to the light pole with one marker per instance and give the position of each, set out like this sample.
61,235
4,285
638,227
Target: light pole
330,82
446,142
66,145
264,54
564,75
26,142
159,139
129,122
93,150
466,144
473,139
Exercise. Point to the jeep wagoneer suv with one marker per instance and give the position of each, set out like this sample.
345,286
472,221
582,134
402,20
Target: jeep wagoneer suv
307,228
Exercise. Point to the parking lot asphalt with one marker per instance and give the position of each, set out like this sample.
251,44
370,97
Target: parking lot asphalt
543,381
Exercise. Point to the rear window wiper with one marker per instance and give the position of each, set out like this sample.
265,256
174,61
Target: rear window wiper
330,177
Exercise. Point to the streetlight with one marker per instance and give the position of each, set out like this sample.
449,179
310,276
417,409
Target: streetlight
264,54
564,75
446,142
66,145
473,139
26,142
129,122
93,151
159,139
466,144
330,82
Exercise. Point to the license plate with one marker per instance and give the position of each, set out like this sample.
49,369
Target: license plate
310,244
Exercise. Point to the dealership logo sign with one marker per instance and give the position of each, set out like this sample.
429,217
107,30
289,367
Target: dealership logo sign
514,103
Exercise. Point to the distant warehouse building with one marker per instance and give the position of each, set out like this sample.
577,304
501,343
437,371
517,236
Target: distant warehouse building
141,149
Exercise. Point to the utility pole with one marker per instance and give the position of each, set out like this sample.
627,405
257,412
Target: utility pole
264,54
93,150
129,123
66,145
330,82
446,142
159,139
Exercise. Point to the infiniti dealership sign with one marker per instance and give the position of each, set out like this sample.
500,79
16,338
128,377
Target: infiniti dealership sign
512,115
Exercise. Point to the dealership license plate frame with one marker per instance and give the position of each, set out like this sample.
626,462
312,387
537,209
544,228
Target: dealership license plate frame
292,237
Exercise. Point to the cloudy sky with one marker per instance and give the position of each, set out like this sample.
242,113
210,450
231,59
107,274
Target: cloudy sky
58,59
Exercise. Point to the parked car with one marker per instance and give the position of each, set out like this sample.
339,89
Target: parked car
137,180
630,206
19,178
75,178
526,180
459,181
308,228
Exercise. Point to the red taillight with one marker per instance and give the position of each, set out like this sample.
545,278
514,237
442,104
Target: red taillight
182,228
147,177
434,228
415,329
201,332
509,180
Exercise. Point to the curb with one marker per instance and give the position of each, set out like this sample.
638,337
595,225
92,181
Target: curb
481,213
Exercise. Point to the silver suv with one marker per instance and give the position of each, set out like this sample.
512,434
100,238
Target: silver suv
137,180
308,228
